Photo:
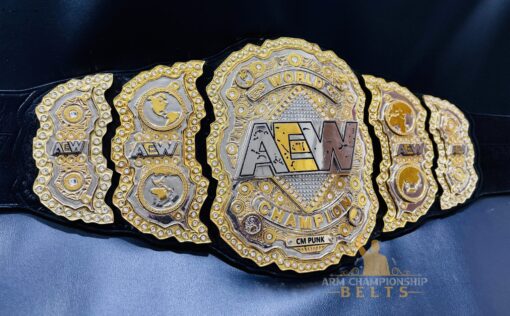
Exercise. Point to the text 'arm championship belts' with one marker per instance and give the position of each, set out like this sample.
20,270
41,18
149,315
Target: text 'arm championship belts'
73,177
292,144
161,188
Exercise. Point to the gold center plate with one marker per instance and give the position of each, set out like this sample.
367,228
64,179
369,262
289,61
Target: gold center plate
293,211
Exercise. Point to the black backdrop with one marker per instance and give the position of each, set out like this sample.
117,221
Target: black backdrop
457,49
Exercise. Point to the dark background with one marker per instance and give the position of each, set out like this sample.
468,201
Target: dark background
458,50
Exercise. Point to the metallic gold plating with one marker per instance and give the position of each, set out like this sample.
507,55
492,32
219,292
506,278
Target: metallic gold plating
455,167
73,177
406,181
161,187
302,222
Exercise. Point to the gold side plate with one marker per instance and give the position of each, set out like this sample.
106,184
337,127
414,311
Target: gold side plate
406,182
73,178
276,201
455,166
161,189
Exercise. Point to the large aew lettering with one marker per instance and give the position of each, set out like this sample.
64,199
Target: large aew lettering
280,148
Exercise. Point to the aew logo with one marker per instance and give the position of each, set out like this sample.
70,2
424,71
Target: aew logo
154,149
282,148
69,147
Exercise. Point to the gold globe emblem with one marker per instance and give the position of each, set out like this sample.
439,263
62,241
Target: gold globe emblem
159,104
411,183
162,109
400,117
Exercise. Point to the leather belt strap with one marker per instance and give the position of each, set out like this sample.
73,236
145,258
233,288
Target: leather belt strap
157,146
493,152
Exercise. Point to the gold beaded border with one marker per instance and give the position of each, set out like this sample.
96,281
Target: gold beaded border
448,198
96,85
197,231
376,86
224,190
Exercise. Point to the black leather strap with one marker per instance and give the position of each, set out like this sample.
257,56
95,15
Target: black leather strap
18,126
492,136
13,108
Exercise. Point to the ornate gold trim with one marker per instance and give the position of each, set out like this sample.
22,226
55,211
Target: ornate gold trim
383,93
89,205
224,190
439,109
187,226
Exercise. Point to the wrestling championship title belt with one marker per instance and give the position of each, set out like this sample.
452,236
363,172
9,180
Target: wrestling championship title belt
282,161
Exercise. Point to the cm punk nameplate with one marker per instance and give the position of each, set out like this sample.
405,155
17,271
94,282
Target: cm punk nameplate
292,156
73,178
161,187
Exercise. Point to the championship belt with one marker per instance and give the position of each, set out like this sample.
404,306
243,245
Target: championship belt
283,160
